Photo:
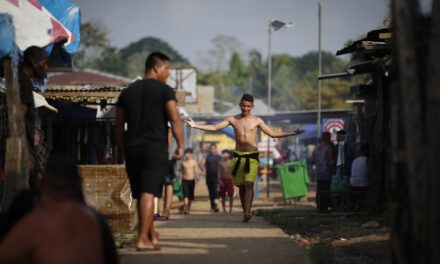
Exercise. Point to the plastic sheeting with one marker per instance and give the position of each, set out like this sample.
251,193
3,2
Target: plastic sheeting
36,25
7,36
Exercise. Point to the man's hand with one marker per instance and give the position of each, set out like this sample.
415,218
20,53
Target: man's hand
298,131
190,122
178,154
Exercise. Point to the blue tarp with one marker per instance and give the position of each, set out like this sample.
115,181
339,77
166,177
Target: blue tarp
41,23
7,36
228,131
69,15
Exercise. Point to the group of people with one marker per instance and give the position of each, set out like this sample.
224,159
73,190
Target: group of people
335,163
218,178
146,114
143,111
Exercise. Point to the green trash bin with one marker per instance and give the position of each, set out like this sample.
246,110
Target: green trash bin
294,178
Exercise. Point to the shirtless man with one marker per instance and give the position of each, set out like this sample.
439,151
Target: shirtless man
244,166
61,229
190,176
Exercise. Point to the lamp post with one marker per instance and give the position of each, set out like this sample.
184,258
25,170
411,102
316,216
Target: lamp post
318,120
274,25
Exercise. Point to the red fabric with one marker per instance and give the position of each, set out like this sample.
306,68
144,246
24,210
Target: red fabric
227,187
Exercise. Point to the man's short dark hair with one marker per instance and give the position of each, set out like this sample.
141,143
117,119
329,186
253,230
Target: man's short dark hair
247,98
33,53
154,59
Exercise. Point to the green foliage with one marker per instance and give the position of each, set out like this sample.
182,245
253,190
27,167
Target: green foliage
111,62
93,43
150,44
294,79
308,63
96,53
257,75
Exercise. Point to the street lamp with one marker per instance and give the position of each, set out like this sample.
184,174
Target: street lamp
274,25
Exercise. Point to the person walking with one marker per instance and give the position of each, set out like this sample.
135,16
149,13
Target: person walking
189,177
210,166
225,180
244,165
145,107
322,159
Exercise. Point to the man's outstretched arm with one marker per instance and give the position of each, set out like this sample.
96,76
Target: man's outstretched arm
176,127
215,127
268,131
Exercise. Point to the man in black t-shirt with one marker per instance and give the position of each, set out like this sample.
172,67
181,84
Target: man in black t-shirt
146,107
210,165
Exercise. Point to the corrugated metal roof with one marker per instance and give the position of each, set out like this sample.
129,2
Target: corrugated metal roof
86,77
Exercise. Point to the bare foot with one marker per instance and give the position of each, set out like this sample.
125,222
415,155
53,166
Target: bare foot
155,237
148,245
246,218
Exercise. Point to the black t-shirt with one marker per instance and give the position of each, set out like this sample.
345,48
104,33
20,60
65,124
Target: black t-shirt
211,163
145,113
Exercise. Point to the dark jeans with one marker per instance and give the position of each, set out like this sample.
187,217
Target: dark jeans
323,195
213,192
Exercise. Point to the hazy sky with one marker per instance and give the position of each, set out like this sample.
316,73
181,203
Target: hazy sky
189,26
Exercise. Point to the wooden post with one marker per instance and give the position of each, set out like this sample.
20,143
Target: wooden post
415,214
17,157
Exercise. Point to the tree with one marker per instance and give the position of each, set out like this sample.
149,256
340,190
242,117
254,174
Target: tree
111,62
94,41
238,74
219,56
257,72
151,44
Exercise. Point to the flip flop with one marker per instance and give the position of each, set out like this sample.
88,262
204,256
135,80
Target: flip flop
155,248
161,218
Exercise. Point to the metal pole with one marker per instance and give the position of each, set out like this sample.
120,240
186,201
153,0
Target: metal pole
318,121
269,91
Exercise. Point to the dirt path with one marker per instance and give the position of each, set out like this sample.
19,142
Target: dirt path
205,237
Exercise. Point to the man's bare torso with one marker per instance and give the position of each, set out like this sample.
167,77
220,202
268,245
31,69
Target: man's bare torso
245,128
188,169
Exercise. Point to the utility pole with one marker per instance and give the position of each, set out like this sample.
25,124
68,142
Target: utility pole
318,120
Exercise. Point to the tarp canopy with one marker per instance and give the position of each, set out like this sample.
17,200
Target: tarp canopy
40,23
228,131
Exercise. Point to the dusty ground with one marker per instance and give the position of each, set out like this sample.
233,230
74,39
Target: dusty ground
337,237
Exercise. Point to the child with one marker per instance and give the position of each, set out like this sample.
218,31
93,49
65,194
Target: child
190,176
225,180
244,165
